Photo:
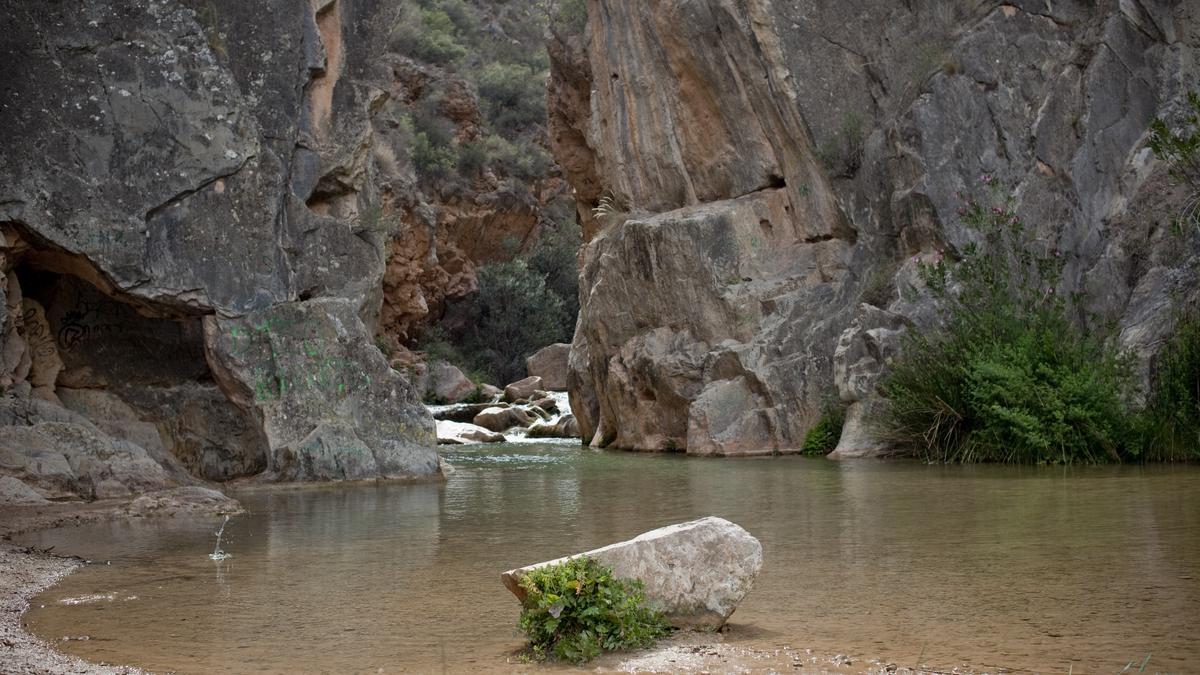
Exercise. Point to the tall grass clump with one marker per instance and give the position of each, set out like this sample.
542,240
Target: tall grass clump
1009,378
1171,420
575,609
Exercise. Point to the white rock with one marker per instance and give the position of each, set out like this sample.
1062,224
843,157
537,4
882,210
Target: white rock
461,433
696,572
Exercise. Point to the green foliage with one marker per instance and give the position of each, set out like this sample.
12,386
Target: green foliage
554,257
377,219
1181,152
575,609
825,434
513,94
429,34
1171,420
513,315
1010,378
568,17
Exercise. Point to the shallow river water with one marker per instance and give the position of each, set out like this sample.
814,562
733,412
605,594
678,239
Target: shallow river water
1047,569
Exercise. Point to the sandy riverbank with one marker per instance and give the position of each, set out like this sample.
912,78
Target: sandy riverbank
25,572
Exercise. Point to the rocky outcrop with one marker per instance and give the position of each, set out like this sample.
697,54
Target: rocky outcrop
695,572
183,202
768,174
550,363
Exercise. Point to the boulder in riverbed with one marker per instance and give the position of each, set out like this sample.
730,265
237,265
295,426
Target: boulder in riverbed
187,500
695,572
550,364
523,390
500,419
447,384
565,427
460,433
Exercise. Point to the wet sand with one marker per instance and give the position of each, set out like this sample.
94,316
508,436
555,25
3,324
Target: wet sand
25,572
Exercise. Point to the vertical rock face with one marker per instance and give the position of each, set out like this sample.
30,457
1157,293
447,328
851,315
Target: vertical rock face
700,296
768,175
171,163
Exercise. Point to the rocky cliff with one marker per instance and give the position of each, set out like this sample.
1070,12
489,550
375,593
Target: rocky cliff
759,179
192,285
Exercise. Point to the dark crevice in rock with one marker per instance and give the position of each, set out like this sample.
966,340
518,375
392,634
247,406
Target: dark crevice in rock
155,211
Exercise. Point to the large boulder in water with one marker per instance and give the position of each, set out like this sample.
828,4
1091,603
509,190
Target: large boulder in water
523,390
501,419
461,433
696,572
550,364
565,427
448,384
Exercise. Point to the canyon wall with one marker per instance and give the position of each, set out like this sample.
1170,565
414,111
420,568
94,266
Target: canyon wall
192,280
759,180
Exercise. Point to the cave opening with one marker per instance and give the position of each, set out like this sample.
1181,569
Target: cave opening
135,371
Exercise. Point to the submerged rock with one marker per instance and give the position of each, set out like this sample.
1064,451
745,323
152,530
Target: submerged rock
190,500
696,572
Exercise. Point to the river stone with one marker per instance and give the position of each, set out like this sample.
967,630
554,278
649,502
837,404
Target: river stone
460,433
448,384
188,500
696,572
463,412
15,491
500,419
523,390
550,364
565,427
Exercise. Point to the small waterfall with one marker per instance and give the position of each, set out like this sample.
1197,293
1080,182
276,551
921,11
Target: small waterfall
217,553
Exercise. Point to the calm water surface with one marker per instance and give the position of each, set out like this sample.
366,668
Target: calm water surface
1027,569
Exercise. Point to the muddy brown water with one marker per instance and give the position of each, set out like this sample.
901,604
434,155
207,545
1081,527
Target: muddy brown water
1037,569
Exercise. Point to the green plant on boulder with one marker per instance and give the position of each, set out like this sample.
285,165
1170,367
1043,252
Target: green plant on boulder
1010,378
823,437
575,609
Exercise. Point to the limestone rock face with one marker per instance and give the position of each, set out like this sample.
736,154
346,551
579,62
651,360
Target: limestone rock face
330,406
185,193
745,225
696,572
550,363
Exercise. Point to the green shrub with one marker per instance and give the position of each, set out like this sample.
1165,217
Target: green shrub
1171,421
576,609
521,159
1010,378
428,34
510,317
554,257
514,96
569,17
825,434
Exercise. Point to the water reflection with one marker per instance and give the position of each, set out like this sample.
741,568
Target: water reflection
1025,568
